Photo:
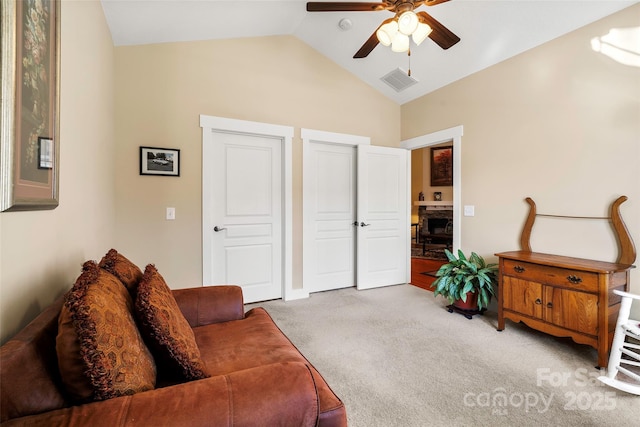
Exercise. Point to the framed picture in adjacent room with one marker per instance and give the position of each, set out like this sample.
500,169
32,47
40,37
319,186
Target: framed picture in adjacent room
159,161
30,105
442,166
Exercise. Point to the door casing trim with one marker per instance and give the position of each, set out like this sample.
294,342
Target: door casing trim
212,124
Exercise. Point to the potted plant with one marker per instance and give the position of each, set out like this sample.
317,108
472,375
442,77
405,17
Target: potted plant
468,283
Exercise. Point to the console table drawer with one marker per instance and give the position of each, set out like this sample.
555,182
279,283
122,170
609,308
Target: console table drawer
555,276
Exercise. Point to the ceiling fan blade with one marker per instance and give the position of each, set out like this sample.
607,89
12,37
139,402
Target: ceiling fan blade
367,47
316,6
433,2
371,43
440,34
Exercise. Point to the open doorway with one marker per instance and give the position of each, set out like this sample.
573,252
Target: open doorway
431,211
435,201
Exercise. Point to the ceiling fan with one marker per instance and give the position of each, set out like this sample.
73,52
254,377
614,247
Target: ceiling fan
392,27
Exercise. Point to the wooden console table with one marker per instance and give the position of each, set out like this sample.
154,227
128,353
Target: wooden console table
565,296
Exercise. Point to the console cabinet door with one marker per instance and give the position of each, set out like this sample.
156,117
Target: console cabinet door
577,311
523,296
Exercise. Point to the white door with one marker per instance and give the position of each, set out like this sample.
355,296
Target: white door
245,240
330,212
383,202
345,181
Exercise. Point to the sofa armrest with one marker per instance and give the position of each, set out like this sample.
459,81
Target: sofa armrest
279,394
210,304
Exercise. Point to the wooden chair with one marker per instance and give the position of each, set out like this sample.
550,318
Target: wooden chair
625,350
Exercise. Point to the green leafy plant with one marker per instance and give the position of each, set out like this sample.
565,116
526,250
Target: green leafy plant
462,275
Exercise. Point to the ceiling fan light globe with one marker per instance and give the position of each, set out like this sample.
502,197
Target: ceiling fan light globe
421,33
408,22
387,32
400,43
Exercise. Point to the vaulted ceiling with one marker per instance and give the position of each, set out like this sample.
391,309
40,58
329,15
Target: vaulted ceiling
490,31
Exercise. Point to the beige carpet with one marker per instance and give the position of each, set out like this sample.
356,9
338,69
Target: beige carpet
396,357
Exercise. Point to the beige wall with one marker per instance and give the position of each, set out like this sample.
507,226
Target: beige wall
41,252
559,123
161,91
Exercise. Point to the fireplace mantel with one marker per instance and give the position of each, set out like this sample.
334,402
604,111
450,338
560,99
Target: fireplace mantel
443,204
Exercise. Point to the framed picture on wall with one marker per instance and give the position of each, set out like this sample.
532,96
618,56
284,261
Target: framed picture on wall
441,166
159,161
30,124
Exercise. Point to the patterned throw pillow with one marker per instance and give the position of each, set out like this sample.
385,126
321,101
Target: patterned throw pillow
118,265
101,353
168,333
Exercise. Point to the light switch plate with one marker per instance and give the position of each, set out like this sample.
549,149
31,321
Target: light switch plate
171,213
469,210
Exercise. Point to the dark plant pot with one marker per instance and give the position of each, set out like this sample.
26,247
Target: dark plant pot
470,304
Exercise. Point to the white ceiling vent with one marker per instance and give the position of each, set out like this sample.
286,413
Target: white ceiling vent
399,80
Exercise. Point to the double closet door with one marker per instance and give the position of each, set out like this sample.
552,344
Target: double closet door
355,212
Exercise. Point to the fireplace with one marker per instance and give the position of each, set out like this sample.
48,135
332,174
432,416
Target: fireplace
436,225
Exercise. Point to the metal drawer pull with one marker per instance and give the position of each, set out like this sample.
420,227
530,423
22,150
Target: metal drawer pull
538,301
574,279
518,269
549,305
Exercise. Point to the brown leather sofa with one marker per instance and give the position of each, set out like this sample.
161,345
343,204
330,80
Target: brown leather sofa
257,376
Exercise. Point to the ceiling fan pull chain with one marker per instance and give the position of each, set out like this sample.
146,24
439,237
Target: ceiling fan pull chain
409,55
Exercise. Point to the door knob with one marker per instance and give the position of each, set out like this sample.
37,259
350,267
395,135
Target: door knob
218,229
362,224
